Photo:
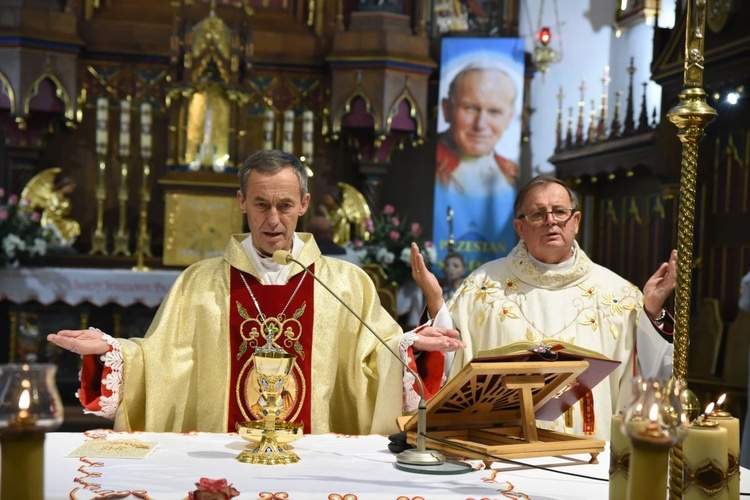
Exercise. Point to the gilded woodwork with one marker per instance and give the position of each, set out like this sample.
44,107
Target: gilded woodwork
60,93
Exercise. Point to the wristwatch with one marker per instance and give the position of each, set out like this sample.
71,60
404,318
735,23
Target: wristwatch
662,316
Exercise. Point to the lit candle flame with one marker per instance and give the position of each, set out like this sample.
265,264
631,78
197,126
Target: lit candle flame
721,399
709,408
25,400
653,413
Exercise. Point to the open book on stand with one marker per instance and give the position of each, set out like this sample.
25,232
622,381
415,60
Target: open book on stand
491,406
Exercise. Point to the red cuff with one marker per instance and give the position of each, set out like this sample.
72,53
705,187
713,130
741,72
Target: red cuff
430,366
92,374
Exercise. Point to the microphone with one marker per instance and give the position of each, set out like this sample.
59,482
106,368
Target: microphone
413,457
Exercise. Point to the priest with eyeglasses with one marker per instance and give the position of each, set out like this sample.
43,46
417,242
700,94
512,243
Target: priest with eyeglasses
547,288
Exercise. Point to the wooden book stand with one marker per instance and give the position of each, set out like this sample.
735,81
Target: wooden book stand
490,408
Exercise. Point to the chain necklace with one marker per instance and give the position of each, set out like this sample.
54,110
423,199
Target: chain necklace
270,328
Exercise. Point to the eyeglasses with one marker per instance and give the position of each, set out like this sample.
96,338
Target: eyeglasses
540,217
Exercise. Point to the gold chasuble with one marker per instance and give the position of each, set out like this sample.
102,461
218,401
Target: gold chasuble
192,370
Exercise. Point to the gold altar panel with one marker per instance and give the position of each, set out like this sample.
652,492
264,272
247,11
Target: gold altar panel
198,226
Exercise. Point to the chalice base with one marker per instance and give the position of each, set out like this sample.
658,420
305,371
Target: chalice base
268,452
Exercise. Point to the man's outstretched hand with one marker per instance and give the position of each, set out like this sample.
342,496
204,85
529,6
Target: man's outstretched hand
427,282
660,286
80,341
432,338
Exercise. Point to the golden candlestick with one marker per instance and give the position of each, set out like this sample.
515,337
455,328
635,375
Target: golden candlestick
690,116
99,238
122,236
143,242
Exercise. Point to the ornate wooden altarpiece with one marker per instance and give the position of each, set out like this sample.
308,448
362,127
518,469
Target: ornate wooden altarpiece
210,65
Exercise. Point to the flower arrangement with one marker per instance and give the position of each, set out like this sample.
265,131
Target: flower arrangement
22,238
213,489
390,242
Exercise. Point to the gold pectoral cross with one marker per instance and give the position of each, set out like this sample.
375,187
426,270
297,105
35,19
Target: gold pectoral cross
279,332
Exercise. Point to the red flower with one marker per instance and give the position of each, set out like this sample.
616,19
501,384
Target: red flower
389,210
416,229
394,235
213,489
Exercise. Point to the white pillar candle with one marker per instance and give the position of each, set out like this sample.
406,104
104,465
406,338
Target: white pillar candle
287,143
649,459
705,445
307,135
732,425
146,130
619,455
125,127
102,125
268,126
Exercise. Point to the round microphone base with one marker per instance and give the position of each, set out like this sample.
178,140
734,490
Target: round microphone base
413,456
445,468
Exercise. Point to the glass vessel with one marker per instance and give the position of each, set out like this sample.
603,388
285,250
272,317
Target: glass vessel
29,399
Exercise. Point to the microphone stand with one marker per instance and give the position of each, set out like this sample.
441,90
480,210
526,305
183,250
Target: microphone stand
415,456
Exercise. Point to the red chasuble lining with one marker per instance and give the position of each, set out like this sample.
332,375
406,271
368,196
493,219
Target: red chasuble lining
293,333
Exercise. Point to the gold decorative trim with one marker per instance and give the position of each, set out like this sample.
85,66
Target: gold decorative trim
60,92
7,89
347,107
414,111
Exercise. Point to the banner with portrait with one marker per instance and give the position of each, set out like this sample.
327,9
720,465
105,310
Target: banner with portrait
478,147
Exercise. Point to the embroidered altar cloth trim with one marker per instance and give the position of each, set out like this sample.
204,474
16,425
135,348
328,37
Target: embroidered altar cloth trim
75,286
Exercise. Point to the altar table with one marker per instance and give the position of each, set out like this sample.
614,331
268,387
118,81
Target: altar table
74,286
331,467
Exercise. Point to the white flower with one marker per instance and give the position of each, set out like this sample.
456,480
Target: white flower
430,253
12,245
39,247
384,256
405,256
362,254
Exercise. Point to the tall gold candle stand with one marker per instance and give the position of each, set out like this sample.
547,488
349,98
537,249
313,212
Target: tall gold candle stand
122,236
690,116
99,238
143,242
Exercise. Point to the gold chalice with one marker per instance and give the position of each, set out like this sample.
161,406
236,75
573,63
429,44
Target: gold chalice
272,367
286,432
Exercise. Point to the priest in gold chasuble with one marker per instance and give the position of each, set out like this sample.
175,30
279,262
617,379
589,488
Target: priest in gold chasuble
193,370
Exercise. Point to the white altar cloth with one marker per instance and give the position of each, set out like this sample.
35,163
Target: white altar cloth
332,466
74,286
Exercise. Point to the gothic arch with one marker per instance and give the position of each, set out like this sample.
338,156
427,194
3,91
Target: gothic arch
60,93
7,89
346,109
396,110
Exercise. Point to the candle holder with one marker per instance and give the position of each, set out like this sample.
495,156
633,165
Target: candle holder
122,236
30,405
654,421
99,238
